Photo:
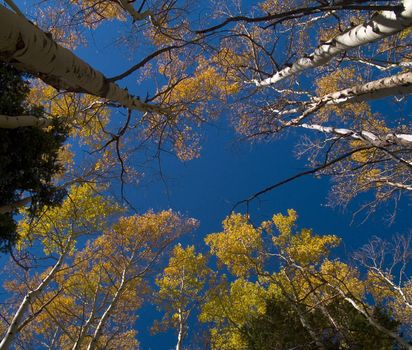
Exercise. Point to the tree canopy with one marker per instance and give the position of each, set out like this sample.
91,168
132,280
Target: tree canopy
91,266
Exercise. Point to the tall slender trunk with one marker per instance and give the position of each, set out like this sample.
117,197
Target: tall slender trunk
380,26
397,84
359,308
107,313
368,136
180,332
390,86
84,329
13,328
13,122
403,343
302,312
31,50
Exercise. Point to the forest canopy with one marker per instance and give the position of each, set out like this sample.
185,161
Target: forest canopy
98,98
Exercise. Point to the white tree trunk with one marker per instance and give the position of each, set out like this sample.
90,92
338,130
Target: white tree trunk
394,85
380,26
84,329
180,332
13,122
401,186
31,50
14,326
403,343
376,140
107,313
359,307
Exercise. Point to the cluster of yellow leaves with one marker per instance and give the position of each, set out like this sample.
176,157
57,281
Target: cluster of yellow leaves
162,34
383,287
82,212
405,33
237,245
229,308
189,99
303,247
186,144
108,274
57,22
86,289
240,247
184,276
95,12
65,158
138,240
402,311
363,155
86,115
205,84
269,5
338,80
366,178
231,64
378,287
122,341
276,6
306,248
181,287
343,276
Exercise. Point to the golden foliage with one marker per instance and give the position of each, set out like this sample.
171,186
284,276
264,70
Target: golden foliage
84,211
181,287
343,276
86,114
237,245
302,247
338,80
229,307
95,11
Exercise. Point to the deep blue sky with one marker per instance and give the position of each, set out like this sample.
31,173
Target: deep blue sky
229,171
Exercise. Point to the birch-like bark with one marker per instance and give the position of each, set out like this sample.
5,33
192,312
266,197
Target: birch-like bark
394,287
397,84
180,332
360,308
85,328
296,305
404,140
14,122
31,50
380,26
394,85
99,328
137,16
401,186
404,344
14,326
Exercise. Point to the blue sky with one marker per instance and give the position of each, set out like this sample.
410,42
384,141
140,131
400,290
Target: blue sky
229,171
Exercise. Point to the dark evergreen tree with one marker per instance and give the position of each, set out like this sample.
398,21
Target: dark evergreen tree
281,328
28,155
